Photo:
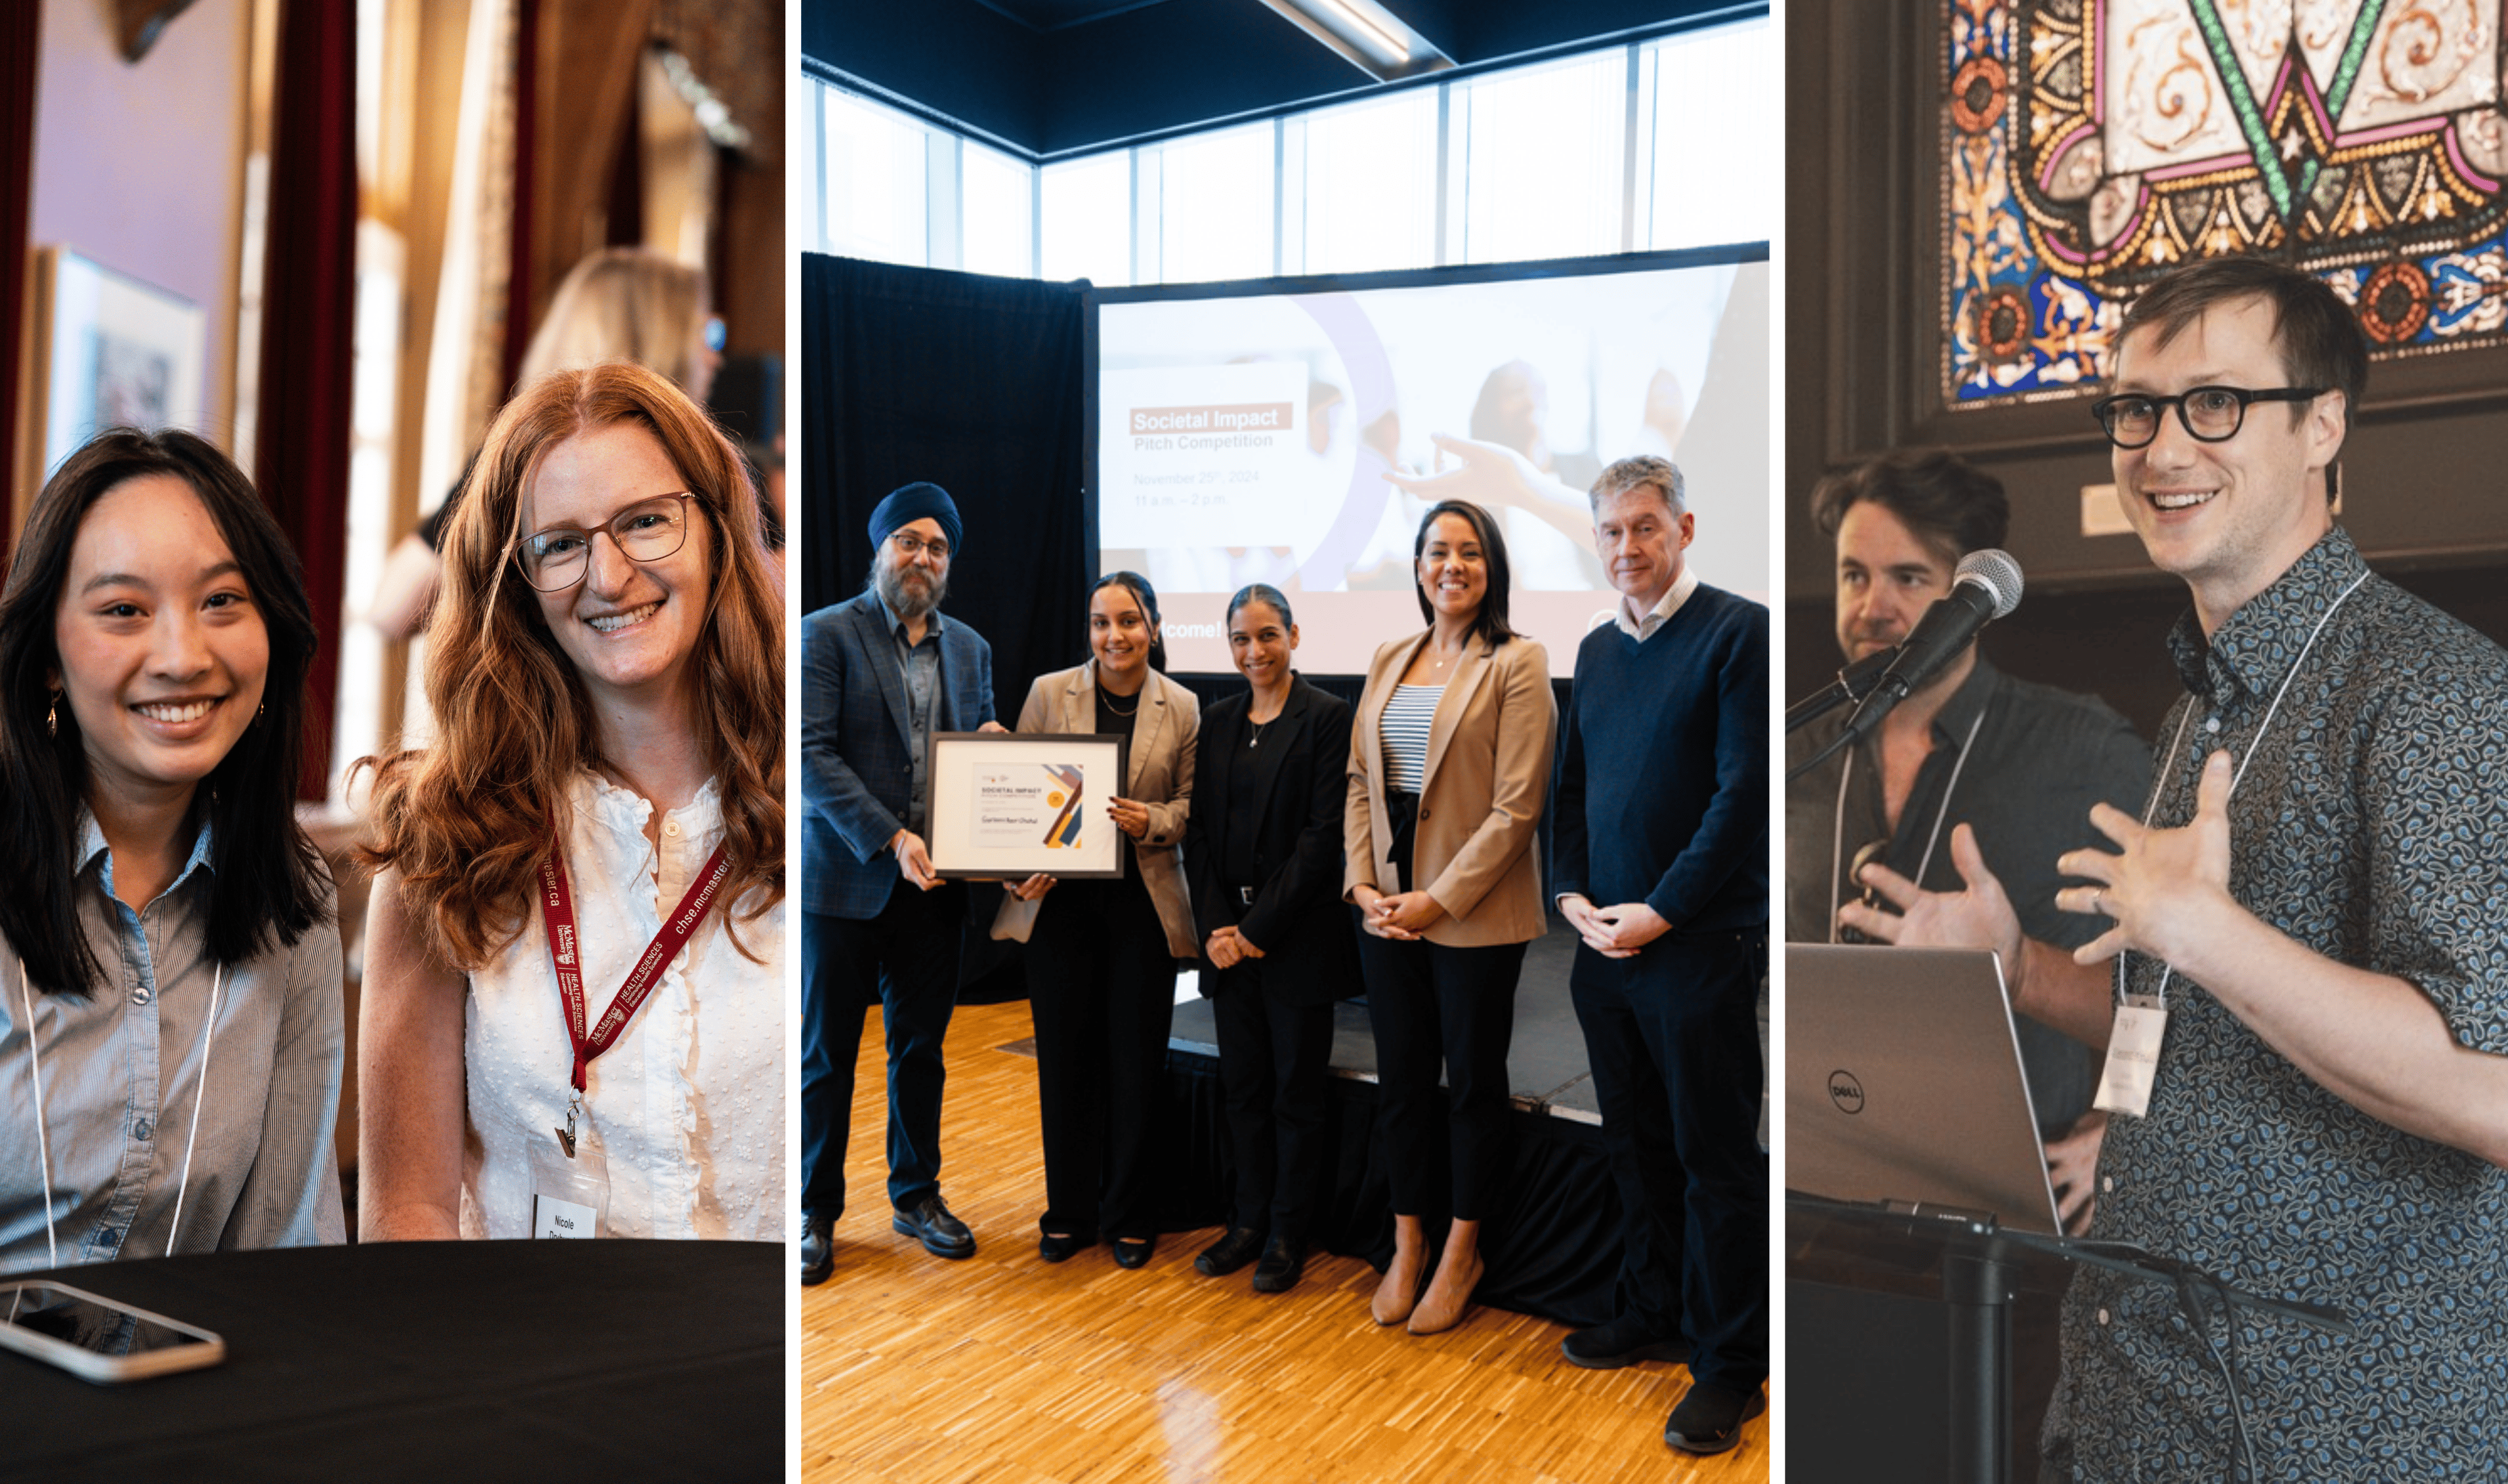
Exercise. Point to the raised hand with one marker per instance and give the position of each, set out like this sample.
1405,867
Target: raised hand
2164,888
1977,916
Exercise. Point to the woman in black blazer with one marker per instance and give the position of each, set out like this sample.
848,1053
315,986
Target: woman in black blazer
1265,854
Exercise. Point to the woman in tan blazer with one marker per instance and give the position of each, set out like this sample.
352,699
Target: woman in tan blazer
1101,955
1449,765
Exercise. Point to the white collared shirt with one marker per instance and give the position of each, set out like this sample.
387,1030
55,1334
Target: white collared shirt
687,1107
1674,596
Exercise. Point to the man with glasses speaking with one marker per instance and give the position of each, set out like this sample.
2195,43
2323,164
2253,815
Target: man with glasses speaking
2300,988
881,673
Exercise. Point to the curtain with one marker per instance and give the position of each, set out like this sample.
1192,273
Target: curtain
309,312
20,51
976,385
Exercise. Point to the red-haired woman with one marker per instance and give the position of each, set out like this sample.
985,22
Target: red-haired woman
600,810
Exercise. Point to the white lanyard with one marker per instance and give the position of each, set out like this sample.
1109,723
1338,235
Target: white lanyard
2159,780
43,1144
1837,826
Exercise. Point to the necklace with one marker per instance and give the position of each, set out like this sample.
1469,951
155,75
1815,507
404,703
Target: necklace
1108,696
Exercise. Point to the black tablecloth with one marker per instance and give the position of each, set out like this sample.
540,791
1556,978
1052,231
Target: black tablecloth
577,1363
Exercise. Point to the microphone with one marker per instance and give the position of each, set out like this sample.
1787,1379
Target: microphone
1986,586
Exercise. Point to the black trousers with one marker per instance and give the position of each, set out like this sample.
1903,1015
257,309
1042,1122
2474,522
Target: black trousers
1274,1064
1429,1003
904,960
1674,1038
1101,986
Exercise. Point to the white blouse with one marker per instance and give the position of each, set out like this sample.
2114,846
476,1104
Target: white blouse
687,1105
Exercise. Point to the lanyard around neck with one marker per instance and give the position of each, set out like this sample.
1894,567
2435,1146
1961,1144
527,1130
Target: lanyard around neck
557,909
2159,780
1838,820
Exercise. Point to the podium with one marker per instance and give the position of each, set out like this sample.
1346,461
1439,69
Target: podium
1898,1342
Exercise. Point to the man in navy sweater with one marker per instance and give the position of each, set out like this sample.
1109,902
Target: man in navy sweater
1662,867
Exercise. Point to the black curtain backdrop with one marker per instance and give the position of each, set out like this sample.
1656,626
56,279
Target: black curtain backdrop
976,385
1553,1245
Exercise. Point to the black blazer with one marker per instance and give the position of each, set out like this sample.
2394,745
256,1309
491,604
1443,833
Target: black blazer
1308,935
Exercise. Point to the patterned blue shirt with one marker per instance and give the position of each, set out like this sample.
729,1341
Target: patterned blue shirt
2371,826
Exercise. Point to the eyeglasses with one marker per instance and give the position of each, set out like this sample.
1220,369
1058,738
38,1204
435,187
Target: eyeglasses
2210,414
914,546
647,531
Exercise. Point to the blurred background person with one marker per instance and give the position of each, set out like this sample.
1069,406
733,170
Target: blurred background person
619,304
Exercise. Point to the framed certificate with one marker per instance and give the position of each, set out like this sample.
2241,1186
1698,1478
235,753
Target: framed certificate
1007,805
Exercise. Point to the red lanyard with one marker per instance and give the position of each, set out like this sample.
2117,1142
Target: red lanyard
557,909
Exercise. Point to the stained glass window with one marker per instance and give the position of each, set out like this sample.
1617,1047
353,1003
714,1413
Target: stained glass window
2088,146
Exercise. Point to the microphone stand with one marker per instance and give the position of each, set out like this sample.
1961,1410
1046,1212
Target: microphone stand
1853,683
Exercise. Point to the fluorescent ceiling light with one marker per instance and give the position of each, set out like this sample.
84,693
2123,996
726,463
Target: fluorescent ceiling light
1394,47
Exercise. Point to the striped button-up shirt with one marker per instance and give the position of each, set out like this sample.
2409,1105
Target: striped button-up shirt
125,1064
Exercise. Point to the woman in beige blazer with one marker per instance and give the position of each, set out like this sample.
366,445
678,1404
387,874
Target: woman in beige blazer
1101,955
1449,765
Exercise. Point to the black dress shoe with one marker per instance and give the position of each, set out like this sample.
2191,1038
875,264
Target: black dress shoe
1284,1262
1134,1251
941,1234
1709,1419
1624,1341
1057,1246
1241,1246
818,1248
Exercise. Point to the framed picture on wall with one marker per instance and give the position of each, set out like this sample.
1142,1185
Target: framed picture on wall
110,350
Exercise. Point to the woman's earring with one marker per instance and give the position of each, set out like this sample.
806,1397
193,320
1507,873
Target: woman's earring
53,717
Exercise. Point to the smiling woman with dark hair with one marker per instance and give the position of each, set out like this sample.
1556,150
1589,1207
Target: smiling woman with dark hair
172,1002
1101,955
1448,766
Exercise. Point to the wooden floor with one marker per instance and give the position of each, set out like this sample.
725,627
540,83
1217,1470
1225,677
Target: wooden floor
1007,1370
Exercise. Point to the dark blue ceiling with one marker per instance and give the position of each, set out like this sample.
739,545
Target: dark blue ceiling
1056,78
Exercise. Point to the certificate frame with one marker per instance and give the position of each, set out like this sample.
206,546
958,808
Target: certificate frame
1057,782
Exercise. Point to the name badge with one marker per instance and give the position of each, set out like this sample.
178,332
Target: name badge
552,1217
570,1193
2133,1056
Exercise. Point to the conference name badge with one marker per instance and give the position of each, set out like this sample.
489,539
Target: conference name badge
570,1191
2133,1056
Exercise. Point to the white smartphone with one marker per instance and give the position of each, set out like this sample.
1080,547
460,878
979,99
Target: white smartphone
99,1338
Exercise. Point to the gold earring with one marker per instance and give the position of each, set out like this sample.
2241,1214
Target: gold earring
53,717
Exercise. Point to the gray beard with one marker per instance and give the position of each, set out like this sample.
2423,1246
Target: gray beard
903,601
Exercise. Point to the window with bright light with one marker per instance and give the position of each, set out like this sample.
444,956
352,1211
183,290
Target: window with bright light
1088,207
876,205
1371,185
1543,146
1215,194
998,214
1538,163
1716,178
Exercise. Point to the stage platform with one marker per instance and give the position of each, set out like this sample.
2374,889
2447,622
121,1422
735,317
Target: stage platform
1553,1251
1546,1070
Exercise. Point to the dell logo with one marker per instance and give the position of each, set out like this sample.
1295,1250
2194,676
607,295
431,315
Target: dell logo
1845,1091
